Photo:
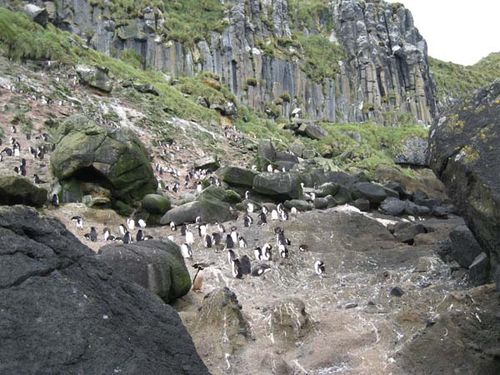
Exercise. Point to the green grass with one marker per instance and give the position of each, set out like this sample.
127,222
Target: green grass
311,15
458,81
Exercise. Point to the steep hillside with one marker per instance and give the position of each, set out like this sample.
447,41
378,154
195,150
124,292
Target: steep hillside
454,81
340,61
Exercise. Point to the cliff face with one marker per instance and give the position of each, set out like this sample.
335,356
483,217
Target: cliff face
382,74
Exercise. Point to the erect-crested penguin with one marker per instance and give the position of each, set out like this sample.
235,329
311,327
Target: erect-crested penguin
262,219
267,252
236,269
78,220
247,194
260,269
207,241
257,253
37,180
202,230
198,276
122,229
303,248
139,236
234,234
92,236
229,242
216,238
186,250
142,223
319,267
107,235
293,211
183,229
242,242
246,265
189,237
283,251
131,224
274,215
55,200
265,210
220,228
173,227
250,207
127,238
247,221
231,255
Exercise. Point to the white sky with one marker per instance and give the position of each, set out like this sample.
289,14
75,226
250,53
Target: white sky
461,31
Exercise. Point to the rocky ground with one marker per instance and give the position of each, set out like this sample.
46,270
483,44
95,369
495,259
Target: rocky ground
383,306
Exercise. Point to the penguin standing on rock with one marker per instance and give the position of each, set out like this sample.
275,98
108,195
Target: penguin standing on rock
139,236
131,224
257,253
78,220
247,221
127,238
236,269
173,227
207,241
55,200
198,276
283,251
262,219
122,229
186,251
229,242
142,223
92,236
189,237
267,252
242,242
231,255
246,265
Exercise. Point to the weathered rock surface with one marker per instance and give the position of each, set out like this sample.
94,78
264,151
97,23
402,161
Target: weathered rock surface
464,247
281,185
95,77
20,190
237,176
156,204
64,311
289,321
114,160
414,152
155,265
464,153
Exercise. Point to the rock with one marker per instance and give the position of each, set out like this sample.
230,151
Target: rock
266,154
362,204
289,321
221,324
299,204
464,247
154,265
210,163
397,292
406,232
96,201
479,270
324,203
275,365
146,89
113,159
414,209
64,311
237,176
414,152
328,188
212,206
464,147
374,193
312,131
393,206
399,188
343,196
297,148
278,185
96,77
37,14
20,190
156,204
350,305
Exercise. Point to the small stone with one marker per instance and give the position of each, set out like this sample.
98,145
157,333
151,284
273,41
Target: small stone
397,292
351,305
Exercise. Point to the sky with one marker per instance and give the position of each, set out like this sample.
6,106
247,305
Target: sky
460,31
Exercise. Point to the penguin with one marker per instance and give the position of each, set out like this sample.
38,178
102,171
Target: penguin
274,215
216,238
246,265
220,228
257,252
127,238
283,251
189,237
269,168
171,238
303,248
198,277
207,241
247,221
199,187
250,207
37,180
262,219
319,267
229,242
236,269
173,227
231,255
186,251
142,223
22,170
234,234
284,216
131,224
139,236
267,252
265,210
197,220
202,230
122,229
280,208
242,242
92,236
107,235
293,211
247,194
55,200
8,151
183,229
260,269
78,220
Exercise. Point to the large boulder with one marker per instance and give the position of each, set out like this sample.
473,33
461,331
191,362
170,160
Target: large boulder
237,176
37,14
156,204
95,77
289,321
20,190
312,131
464,153
154,265
114,160
464,247
212,205
368,190
278,185
63,311
414,152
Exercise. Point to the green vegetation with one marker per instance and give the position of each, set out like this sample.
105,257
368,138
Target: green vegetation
131,57
310,15
207,86
457,81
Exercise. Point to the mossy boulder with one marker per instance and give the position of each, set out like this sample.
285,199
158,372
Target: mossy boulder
237,176
157,266
113,159
20,190
156,204
464,148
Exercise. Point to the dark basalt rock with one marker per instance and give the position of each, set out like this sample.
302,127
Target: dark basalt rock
65,312
20,190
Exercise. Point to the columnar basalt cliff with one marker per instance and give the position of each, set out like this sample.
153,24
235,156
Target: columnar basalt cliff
380,72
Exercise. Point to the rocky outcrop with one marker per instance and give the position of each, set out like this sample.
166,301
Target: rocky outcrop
383,71
64,311
154,265
20,190
278,185
113,160
464,153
